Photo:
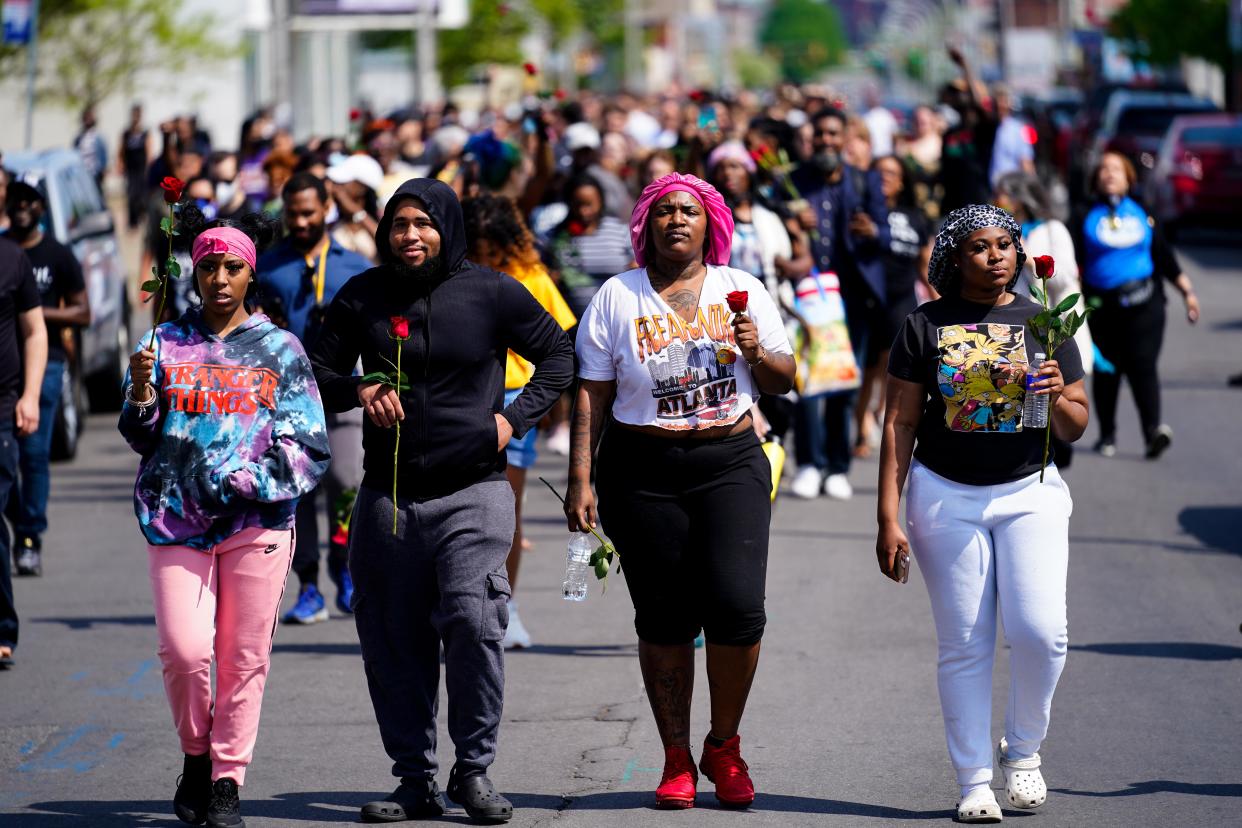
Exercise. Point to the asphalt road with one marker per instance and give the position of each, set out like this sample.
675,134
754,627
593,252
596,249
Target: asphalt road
843,728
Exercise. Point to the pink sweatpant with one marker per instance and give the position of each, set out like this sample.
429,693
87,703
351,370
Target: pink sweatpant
222,601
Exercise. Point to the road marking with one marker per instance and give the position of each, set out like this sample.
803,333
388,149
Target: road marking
72,752
631,768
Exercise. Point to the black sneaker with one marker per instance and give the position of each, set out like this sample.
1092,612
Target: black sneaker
29,556
193,795
413,799
1105,447
225,808
474,792
1160,440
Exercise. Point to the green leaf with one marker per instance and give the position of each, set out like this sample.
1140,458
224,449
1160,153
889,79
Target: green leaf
173,267
1056,324
166,226
1037,293
596,557
1041,319
1068,302
601,568
376,376
151,285
1094,302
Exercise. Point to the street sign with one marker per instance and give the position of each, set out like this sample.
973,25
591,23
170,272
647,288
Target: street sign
17,22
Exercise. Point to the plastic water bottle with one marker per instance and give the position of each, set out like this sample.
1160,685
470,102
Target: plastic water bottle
1035,411
577,567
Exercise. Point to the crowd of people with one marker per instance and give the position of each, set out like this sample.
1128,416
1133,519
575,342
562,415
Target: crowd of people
696,281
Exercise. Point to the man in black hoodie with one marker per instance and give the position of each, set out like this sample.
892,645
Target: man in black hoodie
429,566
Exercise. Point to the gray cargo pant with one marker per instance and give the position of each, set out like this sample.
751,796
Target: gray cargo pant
440,579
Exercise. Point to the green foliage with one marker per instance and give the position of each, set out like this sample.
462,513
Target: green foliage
1164,31
151,285
96,48
493,35
806,36
756,71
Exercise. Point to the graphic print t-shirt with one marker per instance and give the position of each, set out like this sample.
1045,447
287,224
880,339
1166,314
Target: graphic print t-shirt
671,373
972,359
59,276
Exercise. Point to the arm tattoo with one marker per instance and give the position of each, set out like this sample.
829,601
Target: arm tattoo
590,411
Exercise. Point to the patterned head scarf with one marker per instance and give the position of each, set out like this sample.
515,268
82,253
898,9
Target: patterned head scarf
957,226
719,216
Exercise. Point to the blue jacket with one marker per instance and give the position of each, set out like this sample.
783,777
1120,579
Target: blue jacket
853,259
286,286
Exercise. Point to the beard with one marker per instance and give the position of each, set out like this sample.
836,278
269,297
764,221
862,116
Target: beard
419,274
826,161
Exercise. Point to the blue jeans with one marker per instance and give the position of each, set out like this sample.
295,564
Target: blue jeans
30,512
8,477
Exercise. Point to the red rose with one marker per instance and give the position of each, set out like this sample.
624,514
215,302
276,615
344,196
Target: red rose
576,228
341,536
737,300
697,95
530,69
400,327
172,188
1045,267
561,94
355,114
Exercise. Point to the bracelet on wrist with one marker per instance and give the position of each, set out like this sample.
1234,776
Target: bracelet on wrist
763,354
141,405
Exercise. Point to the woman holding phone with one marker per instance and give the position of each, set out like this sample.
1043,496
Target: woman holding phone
988,530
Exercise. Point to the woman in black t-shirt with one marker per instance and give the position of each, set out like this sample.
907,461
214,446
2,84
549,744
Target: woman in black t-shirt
986,531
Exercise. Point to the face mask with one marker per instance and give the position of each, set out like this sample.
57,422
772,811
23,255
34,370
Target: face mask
225,190
826,161
207,208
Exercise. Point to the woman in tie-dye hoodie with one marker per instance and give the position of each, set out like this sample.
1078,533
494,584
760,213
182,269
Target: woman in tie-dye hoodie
226,415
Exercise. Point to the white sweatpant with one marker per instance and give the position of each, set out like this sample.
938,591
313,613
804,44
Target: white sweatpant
980,547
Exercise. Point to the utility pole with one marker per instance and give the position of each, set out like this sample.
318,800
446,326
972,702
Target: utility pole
427,80
32,65
633,47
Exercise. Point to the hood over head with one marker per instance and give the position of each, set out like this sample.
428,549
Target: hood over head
441,203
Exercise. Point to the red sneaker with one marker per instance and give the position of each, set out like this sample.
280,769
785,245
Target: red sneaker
677,785
724,766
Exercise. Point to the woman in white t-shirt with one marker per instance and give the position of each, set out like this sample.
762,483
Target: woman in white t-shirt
683,483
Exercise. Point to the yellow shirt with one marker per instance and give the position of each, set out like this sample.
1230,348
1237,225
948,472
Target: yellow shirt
535,277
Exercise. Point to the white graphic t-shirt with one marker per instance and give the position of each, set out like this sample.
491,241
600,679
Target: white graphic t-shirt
672,373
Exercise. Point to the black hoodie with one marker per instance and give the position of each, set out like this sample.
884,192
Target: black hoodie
461,324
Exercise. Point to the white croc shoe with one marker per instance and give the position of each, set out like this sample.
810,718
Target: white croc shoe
1024,784
981,806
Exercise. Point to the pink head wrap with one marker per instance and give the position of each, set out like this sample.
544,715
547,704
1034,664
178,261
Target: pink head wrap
733,151
719,216
224,240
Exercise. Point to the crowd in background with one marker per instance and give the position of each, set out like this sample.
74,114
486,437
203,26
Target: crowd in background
574,165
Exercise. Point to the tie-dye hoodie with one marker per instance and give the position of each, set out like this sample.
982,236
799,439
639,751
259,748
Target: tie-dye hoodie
236,437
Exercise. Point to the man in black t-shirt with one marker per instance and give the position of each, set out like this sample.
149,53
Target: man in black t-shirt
62,291
23,355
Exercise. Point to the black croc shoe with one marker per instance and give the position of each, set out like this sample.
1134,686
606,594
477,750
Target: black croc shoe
475,793
415,799
225,808
193,795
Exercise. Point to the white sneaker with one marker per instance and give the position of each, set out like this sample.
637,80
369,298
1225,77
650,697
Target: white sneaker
806,483
837,487
558,440
1024,784
980,806
516,636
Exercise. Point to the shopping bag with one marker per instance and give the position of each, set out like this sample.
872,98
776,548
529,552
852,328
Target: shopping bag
826,361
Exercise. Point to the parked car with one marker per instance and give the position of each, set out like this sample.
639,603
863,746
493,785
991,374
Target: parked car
1134,124
78,218
1089,117
1197,177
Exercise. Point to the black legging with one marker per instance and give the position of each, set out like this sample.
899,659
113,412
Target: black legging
1129,338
